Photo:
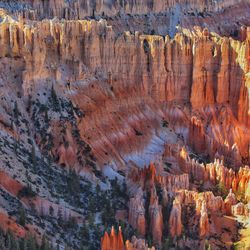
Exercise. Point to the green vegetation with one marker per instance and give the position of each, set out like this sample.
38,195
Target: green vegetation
165,123
221,190
22,217
54,99
33,156
239,246
167,244
16,110
26,192
240,195
207,245
9,242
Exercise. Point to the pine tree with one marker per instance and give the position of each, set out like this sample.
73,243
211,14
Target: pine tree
22,217
24,245
31,243
222,190
98,189
51,211
66,247
46,116
59,215
166,245
45,244
2,240
16,110
85,232
91,219
15,147
14,243
33,157
8,241
54,99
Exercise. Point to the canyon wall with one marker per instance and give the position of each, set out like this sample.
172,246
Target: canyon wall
201,69
82,8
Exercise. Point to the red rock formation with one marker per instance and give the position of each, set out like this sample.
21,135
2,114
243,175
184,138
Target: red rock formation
67,155
105,242
137,213
175,223
204,222
137,244
9,184
7,223
47,46
241,209
213,203
113,241
149,176
216,173
156,218
120,243
229,202
125,85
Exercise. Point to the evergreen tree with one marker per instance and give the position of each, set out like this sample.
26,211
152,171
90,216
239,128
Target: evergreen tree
33,155
8,240
2,240
51,211
73,183
15,147
22,217
60,217
221,189
16,110
91,219
45,244
31,243
54,99
98,189
14,243
166,245
23,244
46,116
85,233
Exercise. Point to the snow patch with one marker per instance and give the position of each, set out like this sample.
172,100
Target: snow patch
109,172
153,150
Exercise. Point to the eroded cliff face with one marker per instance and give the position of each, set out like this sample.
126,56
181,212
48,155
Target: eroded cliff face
82,8
159,125
212,77
181,209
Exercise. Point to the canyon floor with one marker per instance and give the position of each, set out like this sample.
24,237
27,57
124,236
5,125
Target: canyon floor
124,125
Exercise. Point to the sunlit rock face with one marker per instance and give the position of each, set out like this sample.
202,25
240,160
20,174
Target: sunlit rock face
175,219
148,102
140,72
